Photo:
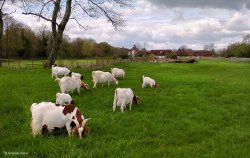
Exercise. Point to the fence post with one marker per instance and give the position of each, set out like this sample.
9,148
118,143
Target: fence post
19,62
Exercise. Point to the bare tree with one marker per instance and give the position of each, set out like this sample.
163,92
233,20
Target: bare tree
209,47
183,47
2,15
246,39
59,12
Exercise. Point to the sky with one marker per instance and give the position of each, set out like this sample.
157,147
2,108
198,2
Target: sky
167,24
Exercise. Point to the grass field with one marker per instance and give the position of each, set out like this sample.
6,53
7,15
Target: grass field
199,110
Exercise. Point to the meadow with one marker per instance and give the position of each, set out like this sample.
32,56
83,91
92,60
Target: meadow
199,110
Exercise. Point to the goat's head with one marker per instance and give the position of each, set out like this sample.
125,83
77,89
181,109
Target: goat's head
156,85
115,81
72,102
82,77
85,86
136,99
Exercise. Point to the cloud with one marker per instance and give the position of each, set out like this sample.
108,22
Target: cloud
226,4
238,22
165,27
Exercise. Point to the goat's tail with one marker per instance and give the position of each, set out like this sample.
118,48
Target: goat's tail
57,79
115,97
93,73
32,106
143,76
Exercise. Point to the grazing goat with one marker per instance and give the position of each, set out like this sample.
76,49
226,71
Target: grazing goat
103,77
59,71
69,84
74,74
149,81
63,98
124,96
116,72
47,116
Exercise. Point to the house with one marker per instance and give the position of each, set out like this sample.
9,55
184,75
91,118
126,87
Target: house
133,52
184,52
203,53
195,53
161,54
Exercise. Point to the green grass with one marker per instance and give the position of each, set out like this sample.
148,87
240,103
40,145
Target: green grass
199,110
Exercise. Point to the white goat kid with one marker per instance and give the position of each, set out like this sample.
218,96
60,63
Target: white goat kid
116,72
69,84
59,71
47,116
103,77
63,98
123,97
149,81
74,74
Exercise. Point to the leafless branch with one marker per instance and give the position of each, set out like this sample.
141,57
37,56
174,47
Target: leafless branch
6,14
38,15
112,16
84,10
45,4
24,6
79,24
2,5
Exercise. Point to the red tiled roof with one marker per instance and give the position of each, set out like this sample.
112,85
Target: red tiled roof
162,52
184,53
203,53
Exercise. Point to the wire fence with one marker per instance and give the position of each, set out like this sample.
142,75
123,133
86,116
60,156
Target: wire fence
70,63
96,63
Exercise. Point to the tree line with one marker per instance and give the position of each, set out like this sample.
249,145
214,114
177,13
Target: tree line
20,41
238,49
58,13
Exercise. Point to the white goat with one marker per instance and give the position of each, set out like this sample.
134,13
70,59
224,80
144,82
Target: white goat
124,96
103,77
149,81
69,84
59,71
63,98
47,116
116,72
74,74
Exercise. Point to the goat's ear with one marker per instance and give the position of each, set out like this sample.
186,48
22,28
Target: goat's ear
72,102
138,100
85,121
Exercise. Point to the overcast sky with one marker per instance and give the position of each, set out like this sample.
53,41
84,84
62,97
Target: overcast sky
168,24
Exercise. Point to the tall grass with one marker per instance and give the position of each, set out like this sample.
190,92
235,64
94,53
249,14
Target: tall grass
199,110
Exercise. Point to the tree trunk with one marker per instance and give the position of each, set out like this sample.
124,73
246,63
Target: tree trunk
1,33
57,30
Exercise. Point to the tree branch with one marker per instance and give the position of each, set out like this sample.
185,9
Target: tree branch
114,18
84,10
6,14
38,15
44,4
80,25
2,5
